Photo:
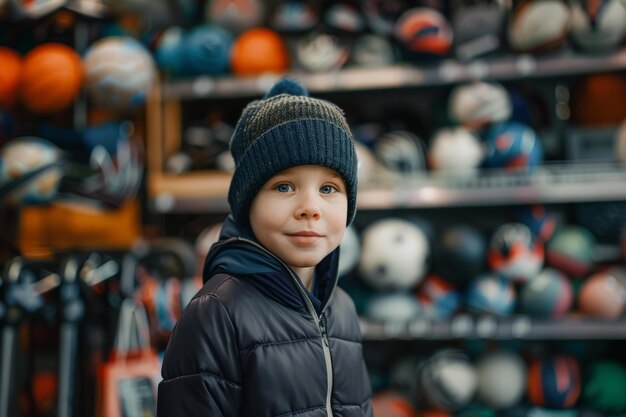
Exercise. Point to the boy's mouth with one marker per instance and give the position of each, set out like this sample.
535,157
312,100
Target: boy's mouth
305,233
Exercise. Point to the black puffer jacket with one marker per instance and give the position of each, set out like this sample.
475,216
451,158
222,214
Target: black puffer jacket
254,342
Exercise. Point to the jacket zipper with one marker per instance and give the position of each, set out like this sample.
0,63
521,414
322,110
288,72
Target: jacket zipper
319,321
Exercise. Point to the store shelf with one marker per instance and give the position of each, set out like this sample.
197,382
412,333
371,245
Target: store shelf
465,326
405,75
206,191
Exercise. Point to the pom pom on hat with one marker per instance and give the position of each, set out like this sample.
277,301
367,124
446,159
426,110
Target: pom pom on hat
287,85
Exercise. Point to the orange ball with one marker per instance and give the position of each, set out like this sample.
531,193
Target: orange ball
257,51
51,78
11,64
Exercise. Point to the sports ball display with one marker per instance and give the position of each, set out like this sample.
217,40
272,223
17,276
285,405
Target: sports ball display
447,380
206,50
370,50
320,52
235,15
392,308
424,32
23,156
52,75
459,254
257,51
514,253
402,152
604,387
490,294
478,30
571,250
598,26
603,294
538,219
548,295
394,254
501,379
10,77
438,298
554,382
512,146
349,251
119,73
455,151
478,104
538,26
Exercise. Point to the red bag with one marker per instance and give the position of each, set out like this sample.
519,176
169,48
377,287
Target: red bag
128,381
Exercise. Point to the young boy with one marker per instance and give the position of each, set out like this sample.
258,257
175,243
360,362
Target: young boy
270,333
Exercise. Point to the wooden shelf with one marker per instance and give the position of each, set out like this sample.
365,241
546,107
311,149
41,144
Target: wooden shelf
204,191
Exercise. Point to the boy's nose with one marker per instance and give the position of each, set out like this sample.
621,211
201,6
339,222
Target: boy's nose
308,207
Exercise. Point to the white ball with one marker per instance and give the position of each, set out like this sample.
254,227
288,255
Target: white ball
349,251
501,379
477,104
606,33
394,255
455,150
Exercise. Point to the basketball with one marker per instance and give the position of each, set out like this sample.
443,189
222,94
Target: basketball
119,73
258,51
10,77
52,75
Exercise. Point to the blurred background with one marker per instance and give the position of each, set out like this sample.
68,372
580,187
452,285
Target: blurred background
487,260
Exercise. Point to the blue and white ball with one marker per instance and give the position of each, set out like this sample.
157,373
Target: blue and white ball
119,72
206,51
490,294
512,146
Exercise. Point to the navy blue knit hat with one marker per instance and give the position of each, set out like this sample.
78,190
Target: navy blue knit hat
288,128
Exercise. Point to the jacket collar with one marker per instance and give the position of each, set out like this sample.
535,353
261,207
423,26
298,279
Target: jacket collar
239,253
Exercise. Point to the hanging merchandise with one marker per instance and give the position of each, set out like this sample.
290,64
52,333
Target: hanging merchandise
129,379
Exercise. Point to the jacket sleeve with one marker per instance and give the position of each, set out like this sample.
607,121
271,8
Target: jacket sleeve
201,367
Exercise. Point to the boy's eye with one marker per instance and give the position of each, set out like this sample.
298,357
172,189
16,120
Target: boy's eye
328,189
283,188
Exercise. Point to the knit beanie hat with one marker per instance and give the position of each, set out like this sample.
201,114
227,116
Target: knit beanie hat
288,128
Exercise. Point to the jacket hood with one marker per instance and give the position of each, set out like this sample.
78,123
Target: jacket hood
238,253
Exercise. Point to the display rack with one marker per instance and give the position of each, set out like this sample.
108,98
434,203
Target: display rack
465,326
205,191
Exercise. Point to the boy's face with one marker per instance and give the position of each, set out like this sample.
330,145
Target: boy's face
300,214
